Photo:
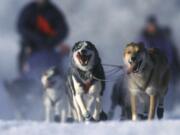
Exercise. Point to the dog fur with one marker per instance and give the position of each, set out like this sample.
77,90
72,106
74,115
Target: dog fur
86,91
121,97
56,100
148,73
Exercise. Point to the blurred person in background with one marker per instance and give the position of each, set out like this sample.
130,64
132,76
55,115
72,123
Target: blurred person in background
155,36
41,27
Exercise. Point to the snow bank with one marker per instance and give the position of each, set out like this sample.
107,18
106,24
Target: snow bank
108,128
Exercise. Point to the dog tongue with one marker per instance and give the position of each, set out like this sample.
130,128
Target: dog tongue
82,58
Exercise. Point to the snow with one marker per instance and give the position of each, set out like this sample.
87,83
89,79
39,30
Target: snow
108,128
110,24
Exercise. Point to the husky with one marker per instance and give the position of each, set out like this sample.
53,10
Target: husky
56,99
149,74
86,90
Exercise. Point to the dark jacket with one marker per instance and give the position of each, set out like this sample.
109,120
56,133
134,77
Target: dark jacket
158,40
42,27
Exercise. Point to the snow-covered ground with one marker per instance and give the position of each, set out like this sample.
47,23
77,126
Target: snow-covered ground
110,24
108,128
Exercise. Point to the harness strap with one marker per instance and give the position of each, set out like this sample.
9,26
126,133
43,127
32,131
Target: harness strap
86,83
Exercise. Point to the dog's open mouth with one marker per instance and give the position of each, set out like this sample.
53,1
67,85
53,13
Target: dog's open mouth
83,58
135,67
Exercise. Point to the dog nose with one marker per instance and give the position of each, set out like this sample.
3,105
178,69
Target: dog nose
83,51
133,58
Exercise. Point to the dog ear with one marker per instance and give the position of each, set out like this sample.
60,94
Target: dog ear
75,45
98,59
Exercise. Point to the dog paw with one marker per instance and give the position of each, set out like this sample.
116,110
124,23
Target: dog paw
160,112
103,116
88,117
143,116
69,120
57,118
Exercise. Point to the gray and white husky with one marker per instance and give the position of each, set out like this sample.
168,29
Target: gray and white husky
86,90
56,99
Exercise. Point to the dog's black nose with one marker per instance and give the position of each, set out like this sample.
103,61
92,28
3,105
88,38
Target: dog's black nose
83,51
133,58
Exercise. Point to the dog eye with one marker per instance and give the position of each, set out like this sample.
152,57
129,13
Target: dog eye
89,47
79,46
129,52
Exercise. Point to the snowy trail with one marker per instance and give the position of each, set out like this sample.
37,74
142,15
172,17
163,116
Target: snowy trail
110,25
108,128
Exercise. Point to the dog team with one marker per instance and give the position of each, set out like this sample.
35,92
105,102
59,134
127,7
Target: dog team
140,91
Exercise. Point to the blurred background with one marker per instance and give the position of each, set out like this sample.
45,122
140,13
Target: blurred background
108,24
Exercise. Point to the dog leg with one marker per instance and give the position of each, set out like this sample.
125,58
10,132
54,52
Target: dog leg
111,111
63,115
48,110
70,114
98,108
80,101
61,111
48,114
160,108
77,111
73,108
133,107
91,100
152,107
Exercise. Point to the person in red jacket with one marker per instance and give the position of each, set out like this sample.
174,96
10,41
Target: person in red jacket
42,27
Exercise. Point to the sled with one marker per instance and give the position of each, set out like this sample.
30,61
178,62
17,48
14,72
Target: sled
26,90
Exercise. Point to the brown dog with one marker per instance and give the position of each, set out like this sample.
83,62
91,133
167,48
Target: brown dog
148,73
